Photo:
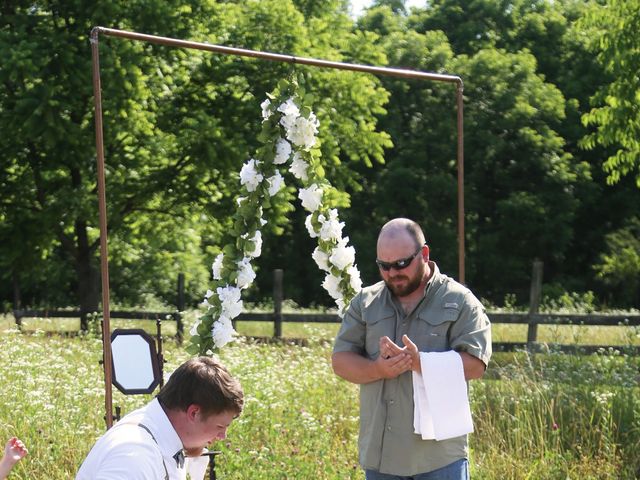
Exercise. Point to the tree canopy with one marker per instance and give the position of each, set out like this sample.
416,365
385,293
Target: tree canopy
542,80
613,30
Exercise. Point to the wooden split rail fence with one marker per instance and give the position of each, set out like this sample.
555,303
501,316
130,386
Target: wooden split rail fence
532,319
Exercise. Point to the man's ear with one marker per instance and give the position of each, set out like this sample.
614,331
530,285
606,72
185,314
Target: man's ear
193,411
425,252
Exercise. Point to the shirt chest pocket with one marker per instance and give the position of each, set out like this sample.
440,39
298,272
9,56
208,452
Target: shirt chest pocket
432,328
377,328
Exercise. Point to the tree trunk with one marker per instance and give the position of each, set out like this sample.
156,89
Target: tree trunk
87,275
17,296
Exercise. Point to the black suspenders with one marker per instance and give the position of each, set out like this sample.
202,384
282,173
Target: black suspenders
166,472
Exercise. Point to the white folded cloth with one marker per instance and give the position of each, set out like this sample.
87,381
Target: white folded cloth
440,400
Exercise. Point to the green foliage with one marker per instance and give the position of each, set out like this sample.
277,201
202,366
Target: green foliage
619,264
520,176
613,31
180,123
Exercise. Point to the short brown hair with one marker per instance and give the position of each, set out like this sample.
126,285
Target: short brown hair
205,382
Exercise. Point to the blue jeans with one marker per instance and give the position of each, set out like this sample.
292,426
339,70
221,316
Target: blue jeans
458,470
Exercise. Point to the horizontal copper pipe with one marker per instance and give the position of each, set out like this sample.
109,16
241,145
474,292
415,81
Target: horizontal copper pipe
277,57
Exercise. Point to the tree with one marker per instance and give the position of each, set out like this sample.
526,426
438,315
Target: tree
519,178
178,125
613,29
48,142
619,264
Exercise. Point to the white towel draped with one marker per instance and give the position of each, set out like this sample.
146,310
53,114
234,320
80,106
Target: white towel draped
440,400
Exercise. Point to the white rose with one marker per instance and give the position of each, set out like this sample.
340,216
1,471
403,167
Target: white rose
354,278
289,108
275,184
322,259
207,296
246,275
332,285
331,228
343,256
266,109
194,328
311,197
303,132
299,167
216,267
230,299
249,175
310,229
256,241
288,122
222,332
283,151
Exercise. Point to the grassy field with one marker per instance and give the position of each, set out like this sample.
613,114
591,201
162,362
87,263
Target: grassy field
538,417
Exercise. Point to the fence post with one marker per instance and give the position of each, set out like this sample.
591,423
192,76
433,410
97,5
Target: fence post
277,303
18,316
534,302
180,305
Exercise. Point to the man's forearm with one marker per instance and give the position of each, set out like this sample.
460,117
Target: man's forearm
354,367
473,367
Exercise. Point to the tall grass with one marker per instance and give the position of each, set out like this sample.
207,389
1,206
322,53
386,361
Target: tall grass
540,417
558,416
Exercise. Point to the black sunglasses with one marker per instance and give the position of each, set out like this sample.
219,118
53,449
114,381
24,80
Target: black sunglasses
398,264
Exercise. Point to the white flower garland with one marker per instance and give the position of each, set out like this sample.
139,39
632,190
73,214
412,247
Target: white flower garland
289,131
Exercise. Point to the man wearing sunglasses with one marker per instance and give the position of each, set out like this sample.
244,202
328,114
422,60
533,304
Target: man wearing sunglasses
415,308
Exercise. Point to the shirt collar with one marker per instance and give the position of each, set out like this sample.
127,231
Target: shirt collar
167,437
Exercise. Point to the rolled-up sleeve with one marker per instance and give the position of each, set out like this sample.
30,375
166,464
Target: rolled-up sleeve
471,332
352,334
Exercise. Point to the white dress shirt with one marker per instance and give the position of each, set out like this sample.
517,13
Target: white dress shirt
129,451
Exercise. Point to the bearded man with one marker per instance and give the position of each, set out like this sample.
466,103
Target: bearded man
414,309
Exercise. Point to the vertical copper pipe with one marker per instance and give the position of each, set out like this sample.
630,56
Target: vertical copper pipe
102,205
461,259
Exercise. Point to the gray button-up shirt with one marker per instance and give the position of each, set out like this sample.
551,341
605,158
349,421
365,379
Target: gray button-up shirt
449,317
